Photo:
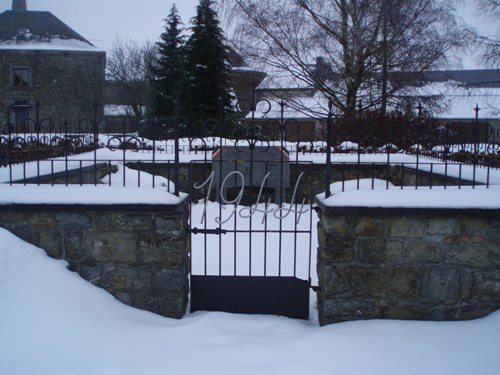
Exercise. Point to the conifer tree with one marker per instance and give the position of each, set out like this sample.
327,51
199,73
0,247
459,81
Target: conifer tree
207,92
169,72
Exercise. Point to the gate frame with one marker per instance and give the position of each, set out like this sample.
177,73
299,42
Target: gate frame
252,294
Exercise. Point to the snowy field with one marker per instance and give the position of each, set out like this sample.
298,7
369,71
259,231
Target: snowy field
52,322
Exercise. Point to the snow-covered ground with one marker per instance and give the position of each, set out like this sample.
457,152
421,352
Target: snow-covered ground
54,323
164,154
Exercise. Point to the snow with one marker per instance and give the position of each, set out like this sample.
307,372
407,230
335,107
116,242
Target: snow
116,110
460,100
52,322
388,147
452,197
128,177
482,148
55,44
348,146
86,194
457,102
297,107
279,79
246,69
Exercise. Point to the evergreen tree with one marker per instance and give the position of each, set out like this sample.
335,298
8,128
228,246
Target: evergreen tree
169,72
207,91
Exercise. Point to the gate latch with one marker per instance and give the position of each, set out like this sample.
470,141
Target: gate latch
207,231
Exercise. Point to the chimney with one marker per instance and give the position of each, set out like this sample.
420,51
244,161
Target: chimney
19,5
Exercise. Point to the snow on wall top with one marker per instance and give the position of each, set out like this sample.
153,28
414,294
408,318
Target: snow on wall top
452,197
87,194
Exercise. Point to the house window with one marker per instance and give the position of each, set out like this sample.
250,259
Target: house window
21,77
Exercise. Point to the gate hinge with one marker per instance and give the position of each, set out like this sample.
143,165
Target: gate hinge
207,231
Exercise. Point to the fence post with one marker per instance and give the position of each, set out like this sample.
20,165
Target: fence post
124,146
177,149
95,129
10,127
419,123
328,171
476,144
155,135
37,112
65,143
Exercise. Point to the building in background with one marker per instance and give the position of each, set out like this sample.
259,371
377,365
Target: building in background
449,96
47,71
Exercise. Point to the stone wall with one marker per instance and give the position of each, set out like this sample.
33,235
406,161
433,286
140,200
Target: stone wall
140,254
418,264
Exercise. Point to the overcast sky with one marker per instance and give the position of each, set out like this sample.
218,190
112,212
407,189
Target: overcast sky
100,21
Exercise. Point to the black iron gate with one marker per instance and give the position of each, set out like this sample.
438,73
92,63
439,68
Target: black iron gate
252,231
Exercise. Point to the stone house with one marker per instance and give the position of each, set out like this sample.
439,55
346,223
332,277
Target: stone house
47,71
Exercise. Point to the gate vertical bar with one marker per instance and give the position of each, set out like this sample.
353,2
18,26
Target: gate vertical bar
281,201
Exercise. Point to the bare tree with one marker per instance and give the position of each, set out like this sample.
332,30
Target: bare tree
488,44
127,67
370,49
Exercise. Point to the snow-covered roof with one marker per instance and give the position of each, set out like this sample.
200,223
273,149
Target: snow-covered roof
296,107
462,106
457,100
52,44
116,110
35,30
278,79
472,78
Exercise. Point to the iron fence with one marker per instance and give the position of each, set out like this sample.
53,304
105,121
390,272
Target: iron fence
88,152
